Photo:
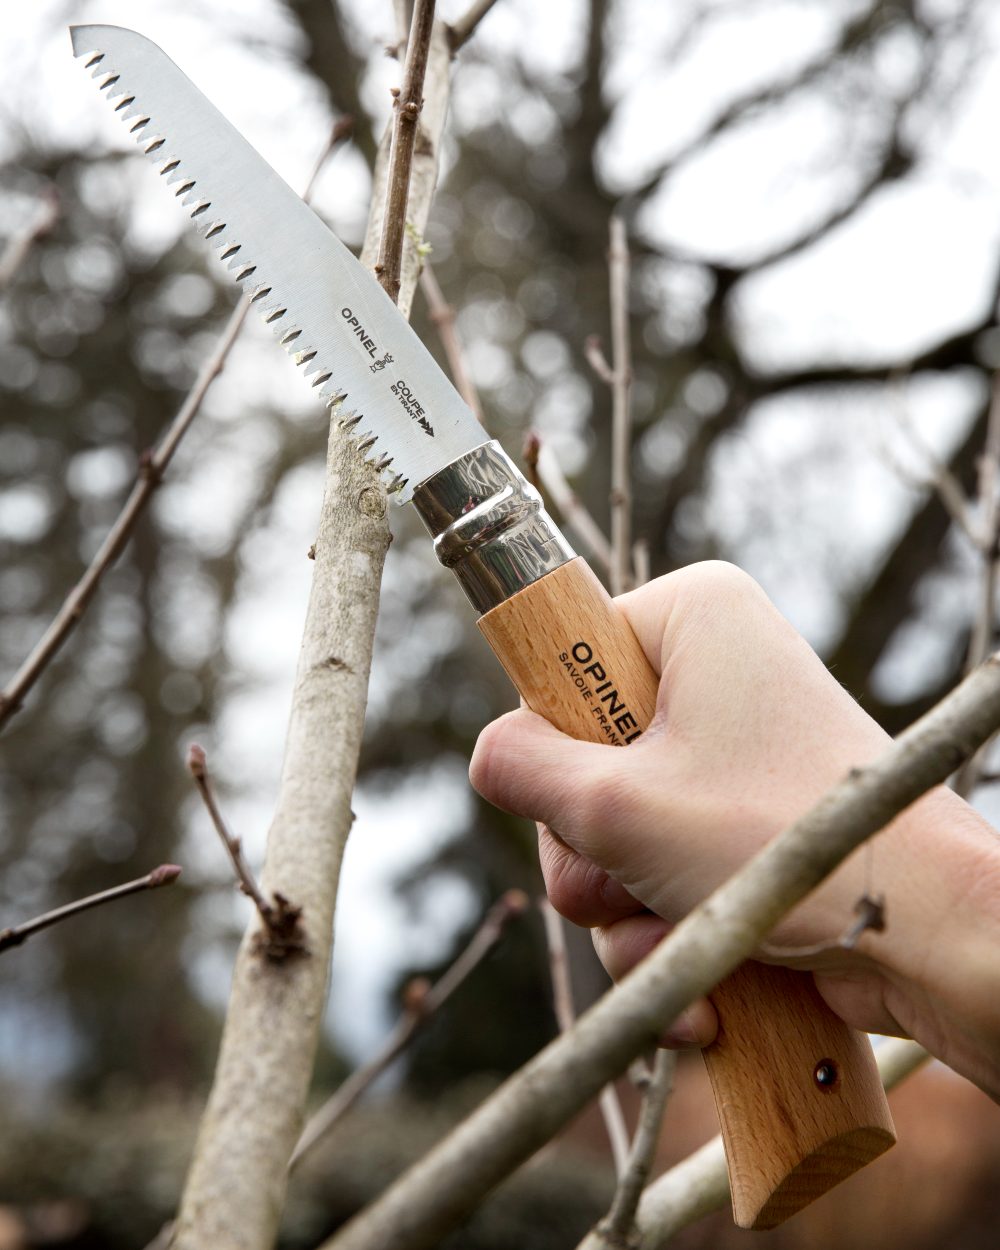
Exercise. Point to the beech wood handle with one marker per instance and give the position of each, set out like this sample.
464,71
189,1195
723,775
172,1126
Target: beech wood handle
798,1093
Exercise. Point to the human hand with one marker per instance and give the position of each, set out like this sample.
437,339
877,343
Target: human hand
750,730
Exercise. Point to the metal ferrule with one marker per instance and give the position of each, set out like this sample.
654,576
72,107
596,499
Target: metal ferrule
489,526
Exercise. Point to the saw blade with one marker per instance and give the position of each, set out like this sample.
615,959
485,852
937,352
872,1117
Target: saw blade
326,310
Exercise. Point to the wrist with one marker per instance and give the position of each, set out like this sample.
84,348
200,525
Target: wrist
938,956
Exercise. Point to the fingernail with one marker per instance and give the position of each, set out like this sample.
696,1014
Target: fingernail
682,1034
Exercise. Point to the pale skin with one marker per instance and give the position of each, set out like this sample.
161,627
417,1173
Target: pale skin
750,730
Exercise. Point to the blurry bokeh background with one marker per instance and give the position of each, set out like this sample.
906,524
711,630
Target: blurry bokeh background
812,191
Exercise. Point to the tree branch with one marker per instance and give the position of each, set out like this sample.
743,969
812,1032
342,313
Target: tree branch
420,1003
18,248
616,1230
235,1189
443,316
461,32
544,471
407,103
565,1013
719,934
283,935
166,874
152,467
621,417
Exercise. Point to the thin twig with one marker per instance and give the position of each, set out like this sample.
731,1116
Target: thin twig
617,1228
197,763
152,467
443,316
18,248
420,1002
461,32
565,1013
869,912
939,477
340,132
544,471
166,874
407,102
641,561
593,353
988,534
985,539
621,411
283,935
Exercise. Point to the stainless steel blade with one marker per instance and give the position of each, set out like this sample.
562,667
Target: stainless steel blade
324,307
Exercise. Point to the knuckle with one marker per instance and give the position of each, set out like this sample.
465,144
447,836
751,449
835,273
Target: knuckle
572,883
488,768
717,577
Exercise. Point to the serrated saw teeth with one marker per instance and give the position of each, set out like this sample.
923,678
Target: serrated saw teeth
307,288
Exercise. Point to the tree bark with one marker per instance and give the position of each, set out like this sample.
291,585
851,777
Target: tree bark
235,1189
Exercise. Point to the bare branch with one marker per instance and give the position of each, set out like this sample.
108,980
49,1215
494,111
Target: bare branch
407,103
544,471
939,476
283,935
565,1012
712,940
593,351
869,912
985,537
443,316
641,561
18,248
166,874
617,1228
461,32
988,533
621,413
152,467
342,130
236,1185
420,1002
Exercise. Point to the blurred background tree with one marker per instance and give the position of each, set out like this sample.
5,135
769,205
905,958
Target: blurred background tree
812,198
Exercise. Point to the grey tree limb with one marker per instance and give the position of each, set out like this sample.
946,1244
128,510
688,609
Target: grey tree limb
235,1189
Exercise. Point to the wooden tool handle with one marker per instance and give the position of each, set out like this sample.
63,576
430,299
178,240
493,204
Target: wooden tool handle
798,1093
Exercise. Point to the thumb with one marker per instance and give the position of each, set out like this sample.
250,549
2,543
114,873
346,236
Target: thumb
527,767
